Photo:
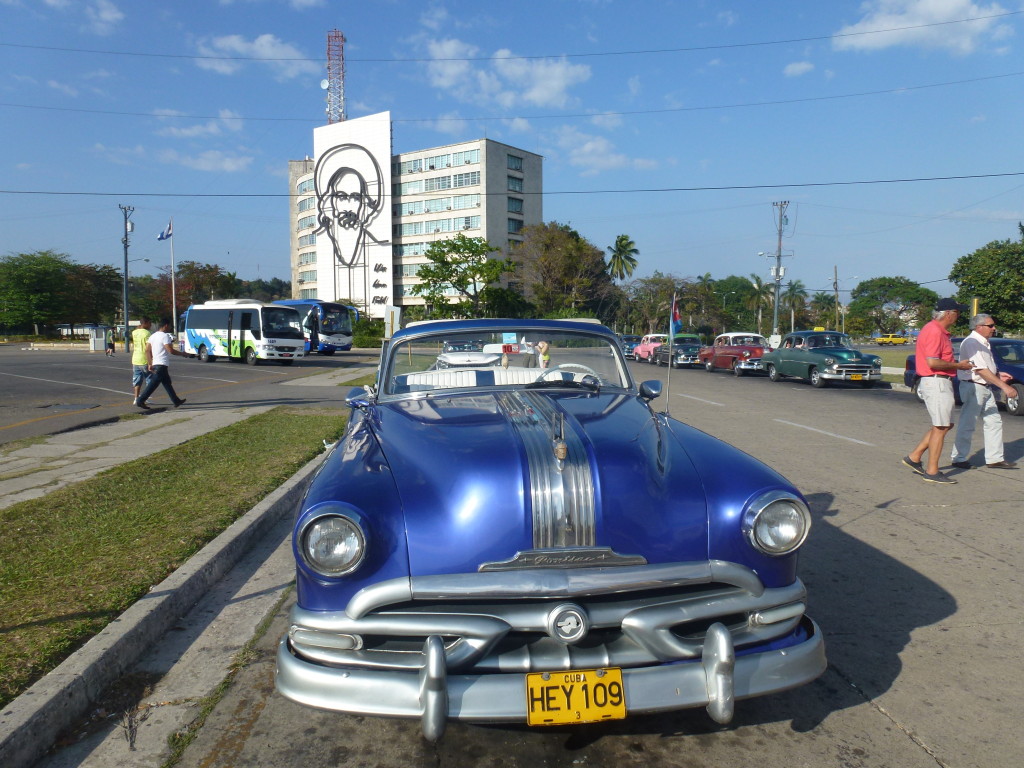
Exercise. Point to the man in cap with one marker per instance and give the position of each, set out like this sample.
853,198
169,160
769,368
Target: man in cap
937,368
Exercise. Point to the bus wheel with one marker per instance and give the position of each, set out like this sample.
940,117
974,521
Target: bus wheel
204,354
250,356
287,362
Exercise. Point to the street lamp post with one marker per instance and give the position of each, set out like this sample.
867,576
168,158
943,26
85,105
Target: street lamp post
127,210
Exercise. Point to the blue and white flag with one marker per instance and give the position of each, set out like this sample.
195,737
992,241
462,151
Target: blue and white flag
166,234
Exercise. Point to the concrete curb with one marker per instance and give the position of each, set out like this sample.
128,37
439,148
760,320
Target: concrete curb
30,725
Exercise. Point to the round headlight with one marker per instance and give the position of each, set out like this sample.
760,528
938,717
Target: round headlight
333,545
777,523
829,360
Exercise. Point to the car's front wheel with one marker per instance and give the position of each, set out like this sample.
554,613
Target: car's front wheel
204,354
816,379
736,370
250,356
773,373
1017,410
709,365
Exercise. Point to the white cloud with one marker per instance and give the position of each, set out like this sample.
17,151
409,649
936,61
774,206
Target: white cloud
434,18
210,160
504,80
798,68
227,122
285,59
595,153
120,155
451,124
606,120
102,17
962,38
64,88
634,85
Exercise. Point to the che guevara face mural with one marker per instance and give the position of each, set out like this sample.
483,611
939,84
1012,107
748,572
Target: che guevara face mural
350,195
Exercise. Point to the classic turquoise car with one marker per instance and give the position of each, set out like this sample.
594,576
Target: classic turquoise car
821,357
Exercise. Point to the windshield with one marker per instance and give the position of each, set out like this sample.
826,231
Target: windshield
513,358
336,321
1009,351
832,340
281,322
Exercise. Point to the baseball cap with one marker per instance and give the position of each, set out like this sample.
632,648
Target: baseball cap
950,303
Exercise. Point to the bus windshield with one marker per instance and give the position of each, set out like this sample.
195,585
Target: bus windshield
282,322
336,319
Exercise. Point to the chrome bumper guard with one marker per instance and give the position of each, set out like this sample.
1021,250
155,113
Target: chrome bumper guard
750,364
844,375
449,654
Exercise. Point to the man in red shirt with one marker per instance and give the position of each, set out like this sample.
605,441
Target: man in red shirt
937,369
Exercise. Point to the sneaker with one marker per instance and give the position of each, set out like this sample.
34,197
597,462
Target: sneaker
180,402
1002,465
962,464
917,466
938,477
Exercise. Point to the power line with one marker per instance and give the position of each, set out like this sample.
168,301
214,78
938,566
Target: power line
624,113
691,49
651,190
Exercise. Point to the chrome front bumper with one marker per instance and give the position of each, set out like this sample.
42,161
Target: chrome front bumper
750,364
870,375
715,681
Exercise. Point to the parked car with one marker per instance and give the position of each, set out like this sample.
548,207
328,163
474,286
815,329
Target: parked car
681,353
628,343
539,546
647,345
737,352
821,357
891,338
465,354
1009,357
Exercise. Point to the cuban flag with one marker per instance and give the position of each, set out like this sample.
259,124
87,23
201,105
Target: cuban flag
676,321
166,234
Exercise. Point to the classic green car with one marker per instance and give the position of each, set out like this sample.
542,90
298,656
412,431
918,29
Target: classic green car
821,357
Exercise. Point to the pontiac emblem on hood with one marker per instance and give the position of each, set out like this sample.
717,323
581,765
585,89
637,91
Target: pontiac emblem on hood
568,623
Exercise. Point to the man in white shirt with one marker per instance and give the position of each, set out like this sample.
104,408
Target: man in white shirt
978,398
161,345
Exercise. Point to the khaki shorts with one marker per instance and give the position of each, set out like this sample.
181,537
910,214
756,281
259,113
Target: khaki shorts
937,393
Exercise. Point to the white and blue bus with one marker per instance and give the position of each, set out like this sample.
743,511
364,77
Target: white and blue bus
242,329
327,326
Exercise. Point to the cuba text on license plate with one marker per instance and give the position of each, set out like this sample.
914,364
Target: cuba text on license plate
575,696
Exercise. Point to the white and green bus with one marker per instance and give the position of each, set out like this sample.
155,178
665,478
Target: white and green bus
243,329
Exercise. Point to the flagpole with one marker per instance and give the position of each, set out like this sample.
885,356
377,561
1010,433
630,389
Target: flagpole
670,341
174,293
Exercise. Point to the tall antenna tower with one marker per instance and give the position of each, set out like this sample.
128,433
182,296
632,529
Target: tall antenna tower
335,82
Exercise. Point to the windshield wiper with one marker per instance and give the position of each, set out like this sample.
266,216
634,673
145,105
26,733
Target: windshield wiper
593,386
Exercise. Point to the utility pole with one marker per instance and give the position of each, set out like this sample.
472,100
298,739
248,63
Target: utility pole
127,210
777,270
835,287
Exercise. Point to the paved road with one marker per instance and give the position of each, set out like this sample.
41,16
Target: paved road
916,587
43,392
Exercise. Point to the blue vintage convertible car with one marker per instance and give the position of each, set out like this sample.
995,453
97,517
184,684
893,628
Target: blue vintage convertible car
530,542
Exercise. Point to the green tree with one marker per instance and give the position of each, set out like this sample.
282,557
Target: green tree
459,264
823,308
794,298
994,274
762,298
650,299
889,304
623,257
565,273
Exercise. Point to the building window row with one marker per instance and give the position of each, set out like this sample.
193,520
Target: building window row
409,249
308,276
456,202
514,226
439,182
306,203
436,162
437,226
307,222
305,187
410,270
515,184
515,163
307,258
307,293
307,240
515,205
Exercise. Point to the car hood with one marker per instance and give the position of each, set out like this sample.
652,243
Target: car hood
479,480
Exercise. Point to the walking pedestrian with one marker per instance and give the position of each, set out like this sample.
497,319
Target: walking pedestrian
108,339
161,346
142,355
936,367
978,397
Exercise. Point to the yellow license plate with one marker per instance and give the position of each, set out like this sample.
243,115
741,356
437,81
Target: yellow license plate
575,696
856,376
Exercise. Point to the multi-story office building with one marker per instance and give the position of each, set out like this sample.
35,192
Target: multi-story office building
360,232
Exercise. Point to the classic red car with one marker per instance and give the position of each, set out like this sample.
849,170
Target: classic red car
737,352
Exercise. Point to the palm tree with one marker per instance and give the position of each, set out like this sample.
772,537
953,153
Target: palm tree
794,298
823,307
763,296
623,257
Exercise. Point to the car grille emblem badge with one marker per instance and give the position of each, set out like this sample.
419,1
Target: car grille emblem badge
568,623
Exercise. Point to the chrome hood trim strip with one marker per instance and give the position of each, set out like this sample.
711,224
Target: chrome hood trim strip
561,491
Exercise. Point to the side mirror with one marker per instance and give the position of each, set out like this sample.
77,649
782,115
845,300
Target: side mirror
650,389
357,397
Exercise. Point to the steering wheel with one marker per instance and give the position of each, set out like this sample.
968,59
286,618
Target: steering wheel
569,366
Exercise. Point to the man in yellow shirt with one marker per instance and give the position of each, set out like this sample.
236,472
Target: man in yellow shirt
141,355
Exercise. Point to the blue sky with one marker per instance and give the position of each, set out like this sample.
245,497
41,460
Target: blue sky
677,123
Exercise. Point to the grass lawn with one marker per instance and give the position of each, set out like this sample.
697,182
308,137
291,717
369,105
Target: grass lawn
72,561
